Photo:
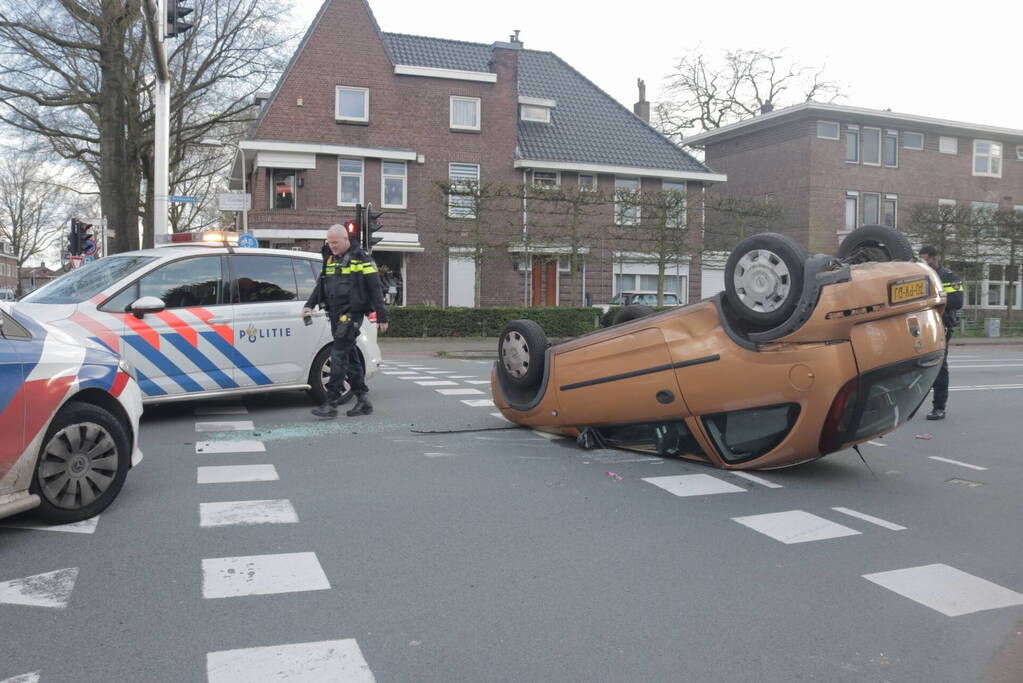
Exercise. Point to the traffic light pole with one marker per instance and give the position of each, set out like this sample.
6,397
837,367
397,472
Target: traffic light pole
157,23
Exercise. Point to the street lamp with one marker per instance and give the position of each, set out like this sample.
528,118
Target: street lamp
214,142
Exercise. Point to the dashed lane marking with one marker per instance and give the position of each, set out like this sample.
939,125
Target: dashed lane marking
986,387
946,589
231,426
439,455
229,474
210,447
52,589
685,485
756,480
956,462
437,383
479,403
464,377
868,518
458,392
326,660
441,372
414,377
878,443
247,513
478,381
204,411
228,577
397,372
795,526
86,526
32,677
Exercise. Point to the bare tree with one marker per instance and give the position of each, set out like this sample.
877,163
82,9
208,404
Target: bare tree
730,218
703,93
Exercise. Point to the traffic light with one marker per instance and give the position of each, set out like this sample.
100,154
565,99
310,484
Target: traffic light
74,238
176,13
372,225
354,226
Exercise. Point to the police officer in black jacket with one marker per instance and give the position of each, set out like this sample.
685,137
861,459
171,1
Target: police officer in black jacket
953,287
349,288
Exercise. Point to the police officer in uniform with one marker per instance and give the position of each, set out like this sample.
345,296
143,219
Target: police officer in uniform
953,287
349,288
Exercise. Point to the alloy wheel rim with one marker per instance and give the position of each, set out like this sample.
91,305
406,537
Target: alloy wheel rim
78,465
762,280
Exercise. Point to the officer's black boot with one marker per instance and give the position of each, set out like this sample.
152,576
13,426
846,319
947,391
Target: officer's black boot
362,406
325,410
336,400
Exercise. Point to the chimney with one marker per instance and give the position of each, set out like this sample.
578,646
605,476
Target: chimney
766,108
514,38
642,107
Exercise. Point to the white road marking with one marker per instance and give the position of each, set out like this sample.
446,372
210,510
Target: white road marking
416,377
398,372
878,443
32,677
548,435
478,381
418,367
956,462
441,372
328,660
204,447
978,367
86,526
464,377
479,403
500,416
685,485
234,426
227,474
986,387
227,577
203,411
439,455
437,383
757,480
458,392
868,518
795,526
247,512
946,589
52,589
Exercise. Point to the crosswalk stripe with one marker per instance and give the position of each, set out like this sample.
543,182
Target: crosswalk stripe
247,513
458,392
52,589
86,526
326,660
227,577
229,474
869,518
227,426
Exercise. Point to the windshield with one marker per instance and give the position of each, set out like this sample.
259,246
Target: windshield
88,281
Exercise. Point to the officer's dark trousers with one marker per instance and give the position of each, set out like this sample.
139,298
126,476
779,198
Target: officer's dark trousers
345,362
941,383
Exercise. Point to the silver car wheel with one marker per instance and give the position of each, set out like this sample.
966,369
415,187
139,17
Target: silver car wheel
515,354
78,464
762,280
325,377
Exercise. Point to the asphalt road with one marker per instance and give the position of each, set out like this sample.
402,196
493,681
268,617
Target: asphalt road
369,550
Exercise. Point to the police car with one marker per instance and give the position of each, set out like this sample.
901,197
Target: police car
69,422
202,318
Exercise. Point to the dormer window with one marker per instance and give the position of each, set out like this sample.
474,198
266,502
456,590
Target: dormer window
536,109
352,104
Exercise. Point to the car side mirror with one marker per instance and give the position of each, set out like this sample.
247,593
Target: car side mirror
147,304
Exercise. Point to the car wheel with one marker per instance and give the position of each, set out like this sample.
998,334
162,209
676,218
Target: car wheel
319,374
633,312
764,278
875,243
82,463
521,353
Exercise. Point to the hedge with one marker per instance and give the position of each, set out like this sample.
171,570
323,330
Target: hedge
433,321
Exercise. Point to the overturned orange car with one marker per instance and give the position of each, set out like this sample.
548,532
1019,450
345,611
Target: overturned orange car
798,357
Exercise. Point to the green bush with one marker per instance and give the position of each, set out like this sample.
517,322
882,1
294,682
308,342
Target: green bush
433,321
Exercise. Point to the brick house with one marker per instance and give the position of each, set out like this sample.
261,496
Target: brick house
362,116
8,269
835,167
34,277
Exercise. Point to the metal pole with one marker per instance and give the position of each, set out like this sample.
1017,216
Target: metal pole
245,203
157,21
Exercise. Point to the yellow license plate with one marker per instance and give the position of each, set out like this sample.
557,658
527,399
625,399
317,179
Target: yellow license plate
899,292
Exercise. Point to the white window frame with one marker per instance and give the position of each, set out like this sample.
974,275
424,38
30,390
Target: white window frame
863,207
683,218
855,198
838,130
451,111
894,137
472,209
992,159
948,144
588,188
546,118
384,177
905,140
361,175
1019,152
880,146
628,219
855,132
894,198
337,103
557,180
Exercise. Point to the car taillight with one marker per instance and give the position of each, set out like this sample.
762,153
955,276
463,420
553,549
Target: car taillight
841,407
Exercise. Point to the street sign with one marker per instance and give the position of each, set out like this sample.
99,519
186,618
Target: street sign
74,261
182,199
89,249
248,241
235,201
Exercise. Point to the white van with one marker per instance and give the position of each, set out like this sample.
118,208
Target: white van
202,319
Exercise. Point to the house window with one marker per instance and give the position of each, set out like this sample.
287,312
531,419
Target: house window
987,158
464,181
349,182
827,130
852,200
465,113
872,146
533,112
675,203
852,146
284,189
1019,152
891,210
913,141
587,181
627,209
984,218
948,145
352,104
393,186
891,149
871,208
546,179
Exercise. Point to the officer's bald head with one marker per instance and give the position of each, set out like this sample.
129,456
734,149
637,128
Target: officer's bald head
337,239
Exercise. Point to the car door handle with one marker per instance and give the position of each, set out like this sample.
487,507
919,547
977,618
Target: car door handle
220,321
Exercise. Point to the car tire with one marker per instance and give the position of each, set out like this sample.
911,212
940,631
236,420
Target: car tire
633,312
82,463
764,278
319,373
875,243
520,353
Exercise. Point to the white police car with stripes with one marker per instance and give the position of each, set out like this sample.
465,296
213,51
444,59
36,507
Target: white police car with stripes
202,318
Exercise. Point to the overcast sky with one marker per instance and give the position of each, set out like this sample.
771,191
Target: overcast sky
957,61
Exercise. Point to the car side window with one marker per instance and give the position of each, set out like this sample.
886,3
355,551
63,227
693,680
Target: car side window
665,438
260,279
307,272
122,300
12,329
188,282
746,434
